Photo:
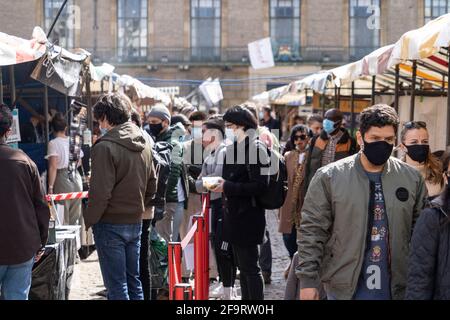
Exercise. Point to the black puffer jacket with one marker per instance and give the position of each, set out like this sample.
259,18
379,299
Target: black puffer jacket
244,221
429,263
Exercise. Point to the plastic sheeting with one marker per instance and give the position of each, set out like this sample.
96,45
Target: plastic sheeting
52,275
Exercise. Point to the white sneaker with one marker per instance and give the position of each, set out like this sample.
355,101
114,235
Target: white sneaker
216,291
227,293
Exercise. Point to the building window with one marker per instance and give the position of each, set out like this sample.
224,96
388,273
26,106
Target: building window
63,32
205,30
435,9
364,27
285,29
132,30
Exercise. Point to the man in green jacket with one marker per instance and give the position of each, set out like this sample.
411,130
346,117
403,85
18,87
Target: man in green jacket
177,186
358,217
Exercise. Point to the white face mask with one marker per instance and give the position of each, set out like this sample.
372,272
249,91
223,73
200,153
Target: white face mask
230,135
197,133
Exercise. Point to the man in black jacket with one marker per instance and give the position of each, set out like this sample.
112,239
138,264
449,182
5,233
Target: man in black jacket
243,180
24,216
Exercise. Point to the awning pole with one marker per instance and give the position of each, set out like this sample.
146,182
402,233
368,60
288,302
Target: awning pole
89,103
12,85
353,108
373,90
336,97
338,106
46,128
56,19
397,87
448,102
413,91
1,85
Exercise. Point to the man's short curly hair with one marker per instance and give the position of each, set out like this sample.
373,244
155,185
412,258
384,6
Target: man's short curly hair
379,115
6,119
114,107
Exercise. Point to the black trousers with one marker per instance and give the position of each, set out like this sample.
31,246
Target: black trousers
252,283
222,249
144,266
290,242
265,253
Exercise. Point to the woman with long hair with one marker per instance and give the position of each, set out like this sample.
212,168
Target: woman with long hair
415,142
429,261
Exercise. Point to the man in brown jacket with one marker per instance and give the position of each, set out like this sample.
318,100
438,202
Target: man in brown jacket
24,216
122,185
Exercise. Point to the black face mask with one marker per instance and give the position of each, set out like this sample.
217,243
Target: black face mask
155,129
378,152
418,152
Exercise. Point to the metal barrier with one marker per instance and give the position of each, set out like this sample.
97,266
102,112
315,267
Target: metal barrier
200,232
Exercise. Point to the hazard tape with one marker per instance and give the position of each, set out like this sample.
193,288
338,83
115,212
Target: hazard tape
67,196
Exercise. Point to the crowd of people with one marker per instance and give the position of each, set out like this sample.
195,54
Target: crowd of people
357,222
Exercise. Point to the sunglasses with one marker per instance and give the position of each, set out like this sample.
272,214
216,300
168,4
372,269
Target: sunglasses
415,125
302,137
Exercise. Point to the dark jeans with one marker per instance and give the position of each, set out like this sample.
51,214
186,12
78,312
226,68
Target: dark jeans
222,249
290,242
265,258
252,283
118,247
144,266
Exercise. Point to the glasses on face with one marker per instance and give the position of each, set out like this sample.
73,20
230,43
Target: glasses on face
301,137
415,125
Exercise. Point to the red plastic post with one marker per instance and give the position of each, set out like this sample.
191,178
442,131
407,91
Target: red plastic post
198,258
174,253
206,215
183,291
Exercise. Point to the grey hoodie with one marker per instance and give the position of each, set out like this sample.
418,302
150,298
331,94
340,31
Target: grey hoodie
212,167
123,178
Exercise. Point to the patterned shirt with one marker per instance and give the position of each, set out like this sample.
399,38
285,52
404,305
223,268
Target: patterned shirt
330,149
374,280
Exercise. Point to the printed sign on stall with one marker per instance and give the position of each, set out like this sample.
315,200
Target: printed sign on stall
15,129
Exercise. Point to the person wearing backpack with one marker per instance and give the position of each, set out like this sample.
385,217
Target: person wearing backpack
213,133
429,263
177,189
244,179
290,213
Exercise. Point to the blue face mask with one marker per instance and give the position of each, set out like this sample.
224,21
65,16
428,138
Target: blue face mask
328,126
103,131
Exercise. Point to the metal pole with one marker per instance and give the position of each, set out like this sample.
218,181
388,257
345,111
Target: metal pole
448,102
1,85
373,90
174,255
12,85
353,107
397,87
338,106
56,19
336,102
89,102
413,91
46,128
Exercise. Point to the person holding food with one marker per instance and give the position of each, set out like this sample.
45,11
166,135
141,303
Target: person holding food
213,132
244,178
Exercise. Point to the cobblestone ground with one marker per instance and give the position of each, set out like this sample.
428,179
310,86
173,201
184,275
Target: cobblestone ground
87,280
